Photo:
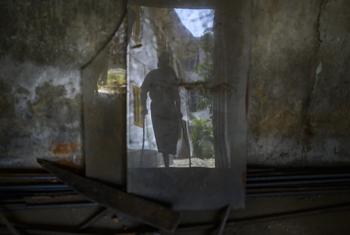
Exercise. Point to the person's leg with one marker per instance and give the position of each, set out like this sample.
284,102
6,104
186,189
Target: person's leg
166,160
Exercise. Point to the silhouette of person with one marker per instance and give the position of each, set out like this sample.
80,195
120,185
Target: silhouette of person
162,86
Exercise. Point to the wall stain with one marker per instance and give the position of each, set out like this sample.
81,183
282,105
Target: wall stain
64,149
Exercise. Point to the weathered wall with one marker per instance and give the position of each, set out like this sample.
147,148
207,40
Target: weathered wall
42,47
299,78
40,113
300,82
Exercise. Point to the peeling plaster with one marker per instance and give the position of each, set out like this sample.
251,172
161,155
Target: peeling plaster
46,101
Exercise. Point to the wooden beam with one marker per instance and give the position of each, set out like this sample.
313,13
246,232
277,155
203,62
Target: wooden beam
135,207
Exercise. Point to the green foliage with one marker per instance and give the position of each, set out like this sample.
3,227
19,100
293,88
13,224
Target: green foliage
202,138
207,42
205,68
205,71
203,102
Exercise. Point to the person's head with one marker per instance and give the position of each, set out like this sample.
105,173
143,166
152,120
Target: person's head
163,60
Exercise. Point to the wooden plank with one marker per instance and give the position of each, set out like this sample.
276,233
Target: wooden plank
101,211
135,207
10,227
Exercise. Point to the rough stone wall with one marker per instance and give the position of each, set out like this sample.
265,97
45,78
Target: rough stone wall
299,78
300,83
57,32
43,44
40,113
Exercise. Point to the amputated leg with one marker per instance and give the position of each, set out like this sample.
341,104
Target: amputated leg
166,160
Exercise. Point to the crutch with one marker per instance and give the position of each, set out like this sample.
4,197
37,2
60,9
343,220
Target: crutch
143,138
184,133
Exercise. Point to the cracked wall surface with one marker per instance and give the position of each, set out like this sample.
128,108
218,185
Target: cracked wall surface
299,105
42,47
299,110
40,114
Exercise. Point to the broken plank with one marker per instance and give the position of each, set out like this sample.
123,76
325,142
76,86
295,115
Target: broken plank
135,207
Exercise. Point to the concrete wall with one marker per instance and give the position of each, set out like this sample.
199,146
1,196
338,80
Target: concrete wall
298,109
43,44
40,113
299,79
300,83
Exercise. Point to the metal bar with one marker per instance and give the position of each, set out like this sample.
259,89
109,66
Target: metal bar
257,190
299,182
291,193
298,188
297,171
22,206
271,217
35,176
263,192
264,184
250,183
297,177
64,230
61,230
224,220
35,187
101,211
140,209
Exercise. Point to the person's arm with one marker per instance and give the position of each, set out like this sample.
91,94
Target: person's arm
144,91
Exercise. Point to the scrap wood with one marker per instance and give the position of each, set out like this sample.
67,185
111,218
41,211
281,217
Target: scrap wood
138,208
